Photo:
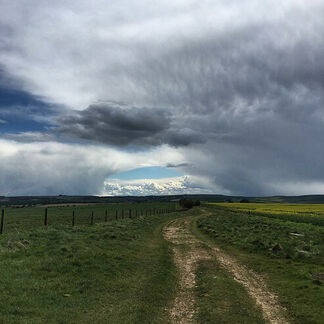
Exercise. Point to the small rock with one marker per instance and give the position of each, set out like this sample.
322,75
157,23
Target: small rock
296,234
277,248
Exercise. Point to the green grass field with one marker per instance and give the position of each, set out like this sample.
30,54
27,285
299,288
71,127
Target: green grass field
123,270
119,271
29,218
221,299
284,247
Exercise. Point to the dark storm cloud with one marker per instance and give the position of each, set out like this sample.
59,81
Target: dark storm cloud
258,99
179,165
253,98
117,124
216,88
244,73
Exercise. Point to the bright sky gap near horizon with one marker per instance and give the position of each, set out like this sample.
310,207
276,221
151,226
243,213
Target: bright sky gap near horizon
147,173
135,97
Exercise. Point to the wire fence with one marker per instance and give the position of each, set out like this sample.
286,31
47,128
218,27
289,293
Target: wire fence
18,218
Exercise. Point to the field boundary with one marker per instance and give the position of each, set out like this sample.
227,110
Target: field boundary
72,219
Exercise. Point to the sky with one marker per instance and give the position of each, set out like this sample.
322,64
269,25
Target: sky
128,97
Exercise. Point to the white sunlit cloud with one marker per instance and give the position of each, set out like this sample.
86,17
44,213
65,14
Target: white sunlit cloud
164,186
50,168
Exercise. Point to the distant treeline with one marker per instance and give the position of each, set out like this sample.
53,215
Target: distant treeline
63,199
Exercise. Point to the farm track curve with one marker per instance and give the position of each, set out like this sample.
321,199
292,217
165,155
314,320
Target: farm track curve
188,249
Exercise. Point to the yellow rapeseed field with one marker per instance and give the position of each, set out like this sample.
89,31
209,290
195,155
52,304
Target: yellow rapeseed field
298,209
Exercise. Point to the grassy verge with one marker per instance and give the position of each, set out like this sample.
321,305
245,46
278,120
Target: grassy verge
220,299
111,272
289,255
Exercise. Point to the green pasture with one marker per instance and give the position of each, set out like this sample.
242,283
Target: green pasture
286,248
112,272
18,218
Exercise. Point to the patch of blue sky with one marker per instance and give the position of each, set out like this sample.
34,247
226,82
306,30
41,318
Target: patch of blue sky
20,112
153,172
15,125
11,97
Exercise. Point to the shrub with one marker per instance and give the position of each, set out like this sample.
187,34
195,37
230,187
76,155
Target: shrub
186,203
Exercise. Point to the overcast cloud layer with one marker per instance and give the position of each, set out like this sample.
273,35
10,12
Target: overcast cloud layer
230,91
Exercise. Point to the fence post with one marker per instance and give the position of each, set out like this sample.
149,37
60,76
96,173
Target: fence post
122,213
135,212
2,221
91,218
116,214
45,217
130,213
106,216
73,218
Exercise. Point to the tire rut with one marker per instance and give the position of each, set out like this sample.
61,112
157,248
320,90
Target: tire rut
188,250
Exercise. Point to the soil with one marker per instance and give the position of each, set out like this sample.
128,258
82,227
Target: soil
188,249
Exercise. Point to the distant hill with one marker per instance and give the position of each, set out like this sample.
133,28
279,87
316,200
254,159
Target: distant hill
62,199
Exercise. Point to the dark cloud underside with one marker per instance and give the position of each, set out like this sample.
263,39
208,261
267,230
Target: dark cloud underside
115,124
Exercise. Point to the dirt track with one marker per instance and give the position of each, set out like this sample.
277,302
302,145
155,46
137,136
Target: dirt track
188,249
